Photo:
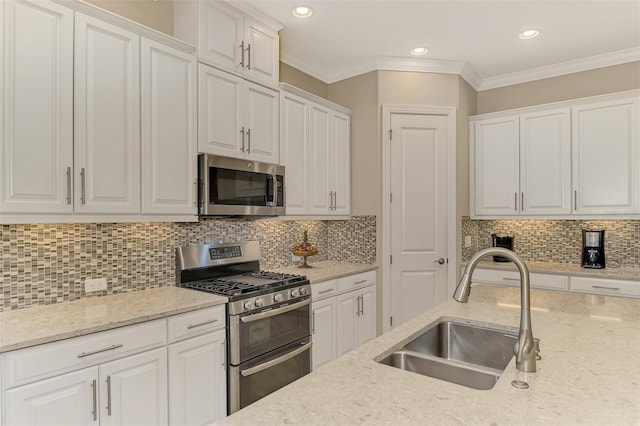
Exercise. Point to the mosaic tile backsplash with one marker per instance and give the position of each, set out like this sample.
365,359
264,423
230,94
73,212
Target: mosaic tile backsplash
557,240
48,263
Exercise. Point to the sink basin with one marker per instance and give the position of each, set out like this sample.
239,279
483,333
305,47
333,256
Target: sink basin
468,354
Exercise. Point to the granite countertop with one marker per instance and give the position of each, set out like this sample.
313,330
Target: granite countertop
328,270
622,273
589,373
43,324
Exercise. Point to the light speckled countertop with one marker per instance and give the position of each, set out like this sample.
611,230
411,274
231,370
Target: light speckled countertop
42,324
589,373
624,273
327,270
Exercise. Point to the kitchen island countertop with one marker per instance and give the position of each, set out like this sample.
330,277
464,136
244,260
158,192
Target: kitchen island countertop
589,373
43,324
327,270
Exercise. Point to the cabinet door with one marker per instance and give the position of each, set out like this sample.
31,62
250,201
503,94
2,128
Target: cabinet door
36,114
220,35
319,134
220,130
294,139
340,163
323,332
606,158
347,311
495,157
133,390
545,162
107,118
198,380
169,102
66,400
367,318
262,118
262,52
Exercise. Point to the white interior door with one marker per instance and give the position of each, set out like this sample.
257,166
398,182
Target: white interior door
418,210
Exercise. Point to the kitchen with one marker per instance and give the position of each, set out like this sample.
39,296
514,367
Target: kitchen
37,256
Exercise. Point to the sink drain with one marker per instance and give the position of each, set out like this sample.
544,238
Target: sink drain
520,384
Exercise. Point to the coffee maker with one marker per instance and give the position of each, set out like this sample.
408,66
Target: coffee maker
593,249
504,241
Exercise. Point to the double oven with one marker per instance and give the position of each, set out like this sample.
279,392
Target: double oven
268,317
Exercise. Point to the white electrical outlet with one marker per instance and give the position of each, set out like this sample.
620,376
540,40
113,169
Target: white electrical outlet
96,284
467,241
295,259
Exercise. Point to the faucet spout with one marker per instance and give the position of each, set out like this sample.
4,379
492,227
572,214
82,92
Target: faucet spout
524,349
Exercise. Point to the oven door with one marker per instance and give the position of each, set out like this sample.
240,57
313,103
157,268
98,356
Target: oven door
254,334
263,375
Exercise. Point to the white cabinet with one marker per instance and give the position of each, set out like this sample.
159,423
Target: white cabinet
343,315
169,130
512,278
36,115
522,164
606,287
316,147
606,157
237,118
106,117
231,39
197,367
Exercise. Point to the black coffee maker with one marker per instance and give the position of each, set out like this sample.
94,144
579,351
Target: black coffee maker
504,241
593,249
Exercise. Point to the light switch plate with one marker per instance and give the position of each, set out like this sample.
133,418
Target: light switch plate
467,241
96,284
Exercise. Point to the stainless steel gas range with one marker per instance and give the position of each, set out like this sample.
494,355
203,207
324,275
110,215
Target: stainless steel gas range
268,317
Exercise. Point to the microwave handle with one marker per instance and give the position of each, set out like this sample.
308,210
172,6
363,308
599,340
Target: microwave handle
261,367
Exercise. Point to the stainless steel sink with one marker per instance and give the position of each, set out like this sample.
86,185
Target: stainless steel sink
468,354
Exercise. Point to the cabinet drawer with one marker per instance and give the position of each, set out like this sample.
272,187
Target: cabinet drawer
195,323
606,287
323,290
51,359
550,281
512,278
353,282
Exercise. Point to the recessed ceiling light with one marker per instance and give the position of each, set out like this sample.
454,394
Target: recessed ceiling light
419,51
302,12
526,35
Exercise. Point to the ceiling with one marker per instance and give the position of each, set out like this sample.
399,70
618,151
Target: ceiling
474,38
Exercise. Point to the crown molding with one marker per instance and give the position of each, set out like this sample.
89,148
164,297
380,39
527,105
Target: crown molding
562,68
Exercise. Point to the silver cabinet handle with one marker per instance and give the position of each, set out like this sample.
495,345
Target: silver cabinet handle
601,287
248,56
335,200
361,304
248,141
82,186
190,326
359,282
515,201
326,291
110,348
224,352
68,185
94,392
522,201
195,195
108,395
258,368
575,199
273,312
510,279
242,54
242,133
330,200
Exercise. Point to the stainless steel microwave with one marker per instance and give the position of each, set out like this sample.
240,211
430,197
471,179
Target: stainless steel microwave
234,187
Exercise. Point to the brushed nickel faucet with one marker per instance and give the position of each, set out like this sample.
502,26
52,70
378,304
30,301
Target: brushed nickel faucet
525,348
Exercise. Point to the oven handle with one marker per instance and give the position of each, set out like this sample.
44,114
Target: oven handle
258,368
278,311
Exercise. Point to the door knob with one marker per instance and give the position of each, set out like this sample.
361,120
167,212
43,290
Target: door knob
440,261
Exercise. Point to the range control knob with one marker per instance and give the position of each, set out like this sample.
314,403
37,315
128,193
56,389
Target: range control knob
295,292
259,302
278,297
248,305
303,291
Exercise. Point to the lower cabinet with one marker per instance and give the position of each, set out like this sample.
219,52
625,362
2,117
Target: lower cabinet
343,315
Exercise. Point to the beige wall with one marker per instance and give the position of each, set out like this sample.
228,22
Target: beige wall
600,81
154,14
301,80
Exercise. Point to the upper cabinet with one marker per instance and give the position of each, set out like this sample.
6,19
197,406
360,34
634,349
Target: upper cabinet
315,150
98,118
566,160
237,118
244,42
